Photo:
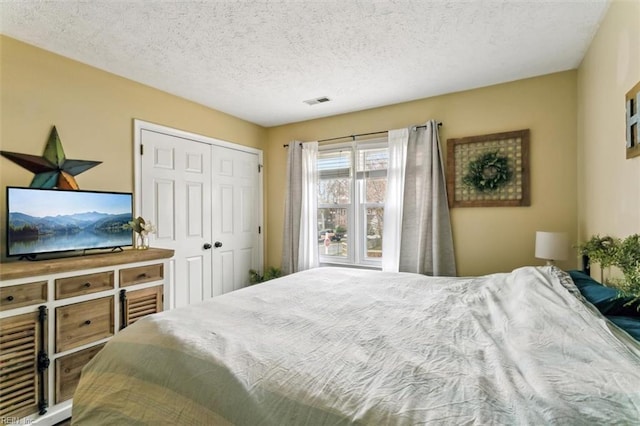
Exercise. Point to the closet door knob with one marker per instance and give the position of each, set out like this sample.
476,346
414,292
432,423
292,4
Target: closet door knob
217,244
206,246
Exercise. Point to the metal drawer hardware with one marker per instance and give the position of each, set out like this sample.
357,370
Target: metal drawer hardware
10,298
87,322
43,361
87,285
142,275
123,307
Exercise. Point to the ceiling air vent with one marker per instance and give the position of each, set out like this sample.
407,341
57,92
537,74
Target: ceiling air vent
317,100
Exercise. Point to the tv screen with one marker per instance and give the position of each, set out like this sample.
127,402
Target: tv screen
52,220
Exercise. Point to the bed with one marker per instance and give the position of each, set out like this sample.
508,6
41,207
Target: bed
338,346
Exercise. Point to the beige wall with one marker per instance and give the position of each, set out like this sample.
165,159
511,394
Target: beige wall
93,112
486,239
571,115
608,184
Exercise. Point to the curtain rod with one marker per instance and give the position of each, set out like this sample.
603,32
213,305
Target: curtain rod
362,134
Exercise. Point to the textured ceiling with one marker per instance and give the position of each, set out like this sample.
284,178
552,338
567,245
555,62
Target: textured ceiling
259,60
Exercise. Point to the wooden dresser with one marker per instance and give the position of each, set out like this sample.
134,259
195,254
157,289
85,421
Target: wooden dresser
55,315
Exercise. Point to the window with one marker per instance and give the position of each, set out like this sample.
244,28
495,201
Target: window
352,184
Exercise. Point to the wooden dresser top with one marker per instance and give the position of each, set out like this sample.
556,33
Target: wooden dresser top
24,268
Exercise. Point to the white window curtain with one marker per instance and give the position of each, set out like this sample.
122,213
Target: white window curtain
308,248
425,237
299,249
392,231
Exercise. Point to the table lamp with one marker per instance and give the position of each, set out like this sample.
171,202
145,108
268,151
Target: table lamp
552,246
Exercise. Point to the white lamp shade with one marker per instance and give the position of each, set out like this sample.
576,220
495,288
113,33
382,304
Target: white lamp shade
552,245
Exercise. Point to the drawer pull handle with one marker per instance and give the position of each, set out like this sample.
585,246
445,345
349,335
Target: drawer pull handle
10,298
142,275
87,322
87,285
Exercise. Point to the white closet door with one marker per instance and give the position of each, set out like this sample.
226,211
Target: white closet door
236,218
205,198
176,197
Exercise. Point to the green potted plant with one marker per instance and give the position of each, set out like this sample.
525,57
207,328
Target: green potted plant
270,273
623,254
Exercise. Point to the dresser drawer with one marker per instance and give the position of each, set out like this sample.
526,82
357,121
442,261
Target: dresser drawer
68,369
141,274
16,296
83,284
83,323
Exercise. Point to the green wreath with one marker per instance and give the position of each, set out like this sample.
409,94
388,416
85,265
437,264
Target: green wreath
488,172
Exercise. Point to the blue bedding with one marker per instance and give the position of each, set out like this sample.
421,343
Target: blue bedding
618,309
629,324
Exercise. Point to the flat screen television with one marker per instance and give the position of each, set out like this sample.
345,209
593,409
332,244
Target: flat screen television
47,221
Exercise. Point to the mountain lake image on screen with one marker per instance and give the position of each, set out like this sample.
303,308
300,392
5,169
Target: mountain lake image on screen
50,220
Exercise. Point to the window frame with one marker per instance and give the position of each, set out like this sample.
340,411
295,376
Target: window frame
357,208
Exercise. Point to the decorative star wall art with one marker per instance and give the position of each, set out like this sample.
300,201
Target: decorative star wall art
53,169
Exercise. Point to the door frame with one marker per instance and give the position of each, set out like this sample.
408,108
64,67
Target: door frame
140,125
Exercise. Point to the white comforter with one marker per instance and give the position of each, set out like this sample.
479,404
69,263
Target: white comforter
343,346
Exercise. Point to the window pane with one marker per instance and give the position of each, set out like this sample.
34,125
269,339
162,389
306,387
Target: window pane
334,164
373,159
334,183
334,191
375,216
372,169
375,189
332,232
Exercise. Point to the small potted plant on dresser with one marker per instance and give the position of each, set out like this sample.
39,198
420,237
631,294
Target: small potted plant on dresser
142,229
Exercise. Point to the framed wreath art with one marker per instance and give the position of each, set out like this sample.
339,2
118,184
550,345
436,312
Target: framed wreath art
489,170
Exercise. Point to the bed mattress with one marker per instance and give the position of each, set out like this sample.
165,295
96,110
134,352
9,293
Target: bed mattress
338,346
